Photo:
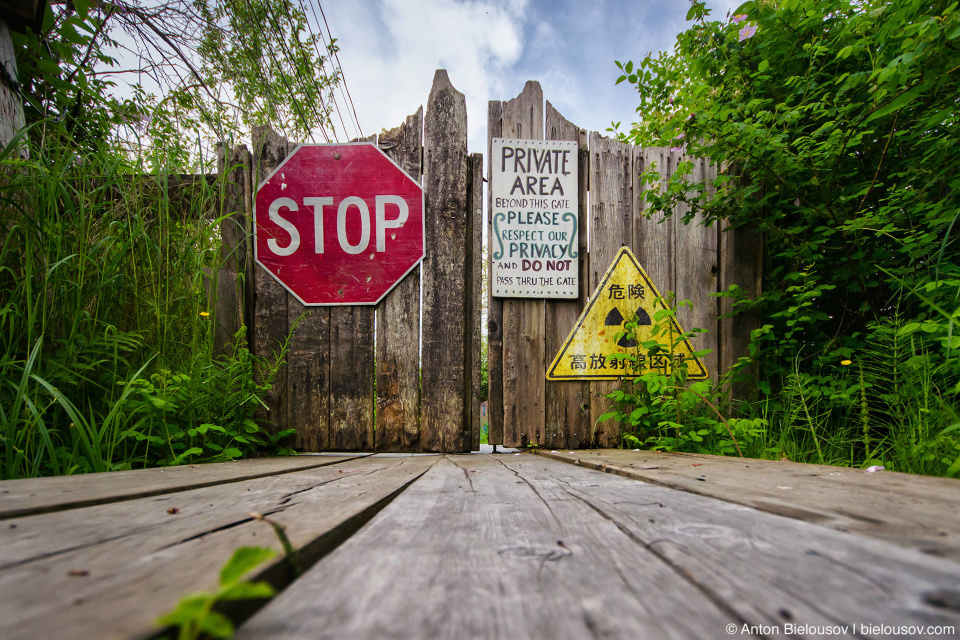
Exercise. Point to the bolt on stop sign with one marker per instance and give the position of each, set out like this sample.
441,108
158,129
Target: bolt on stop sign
338,224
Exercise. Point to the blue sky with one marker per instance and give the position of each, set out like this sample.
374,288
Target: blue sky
389,50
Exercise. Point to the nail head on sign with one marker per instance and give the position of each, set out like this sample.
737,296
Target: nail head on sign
336,156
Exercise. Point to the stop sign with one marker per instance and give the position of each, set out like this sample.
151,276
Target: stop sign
338,224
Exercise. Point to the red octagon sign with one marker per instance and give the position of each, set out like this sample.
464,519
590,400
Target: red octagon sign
338,224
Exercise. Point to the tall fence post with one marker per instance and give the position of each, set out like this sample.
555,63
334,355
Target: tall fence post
444,268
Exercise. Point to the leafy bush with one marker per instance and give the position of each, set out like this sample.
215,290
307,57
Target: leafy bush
835,125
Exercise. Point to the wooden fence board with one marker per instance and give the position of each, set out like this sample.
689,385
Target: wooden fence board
473,310
481,549
698,276
765,569
653,240
611,203
308,376
494,305
567,411
741,253
351,378
398,320
919,512
352,375
444,268
119,567
43,495
270,323
524,349
233,165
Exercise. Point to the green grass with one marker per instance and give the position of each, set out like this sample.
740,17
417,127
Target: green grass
106,326
895,403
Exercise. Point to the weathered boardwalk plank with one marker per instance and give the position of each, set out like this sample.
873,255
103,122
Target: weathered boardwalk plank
764,569
43,495
475,549
914,511
109,571
521,547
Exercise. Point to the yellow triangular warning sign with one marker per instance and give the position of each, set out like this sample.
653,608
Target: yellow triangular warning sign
625,290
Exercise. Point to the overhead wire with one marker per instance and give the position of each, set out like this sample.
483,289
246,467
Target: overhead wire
299,73
283,76
336,105
343,76
323,58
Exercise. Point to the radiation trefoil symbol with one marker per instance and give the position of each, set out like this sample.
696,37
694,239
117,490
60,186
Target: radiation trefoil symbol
624,291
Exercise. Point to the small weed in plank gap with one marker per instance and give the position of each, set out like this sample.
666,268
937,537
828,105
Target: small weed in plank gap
196,615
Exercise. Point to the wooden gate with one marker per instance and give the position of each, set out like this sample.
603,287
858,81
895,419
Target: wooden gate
694,261
401,376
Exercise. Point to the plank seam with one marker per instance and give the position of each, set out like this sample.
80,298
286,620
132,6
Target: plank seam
92,502
773,509
715,598
280,574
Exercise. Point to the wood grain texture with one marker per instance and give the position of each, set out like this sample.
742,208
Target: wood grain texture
474,327
444,269
494,305
398,320
611,202
308,376
43,495
270,321
698,269
919,512
11,104
482,549
351,378
654,239
524,347
137,560
741,252
352,374
567,411
765,569
233,167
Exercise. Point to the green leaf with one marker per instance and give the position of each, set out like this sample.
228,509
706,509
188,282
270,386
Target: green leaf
232,452
187,610
217,625
764,64
82,7
242,561
247,591
899,102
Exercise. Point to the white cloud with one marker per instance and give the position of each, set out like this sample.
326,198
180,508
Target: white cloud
389,50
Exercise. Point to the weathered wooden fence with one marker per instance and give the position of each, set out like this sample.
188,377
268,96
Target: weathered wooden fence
694,261
401,376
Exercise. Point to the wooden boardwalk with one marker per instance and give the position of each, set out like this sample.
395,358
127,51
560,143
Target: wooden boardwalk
585,544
